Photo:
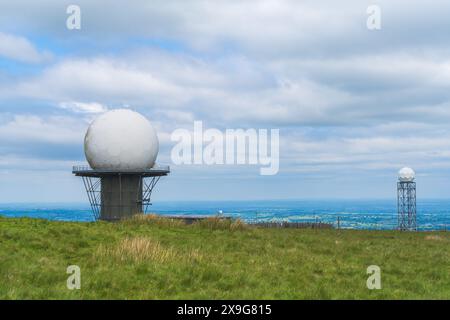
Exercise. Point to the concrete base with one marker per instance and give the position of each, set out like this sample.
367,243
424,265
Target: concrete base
121,196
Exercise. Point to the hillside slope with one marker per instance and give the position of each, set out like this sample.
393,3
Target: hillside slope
153,258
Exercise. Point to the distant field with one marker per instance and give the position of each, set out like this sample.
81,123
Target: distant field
154,258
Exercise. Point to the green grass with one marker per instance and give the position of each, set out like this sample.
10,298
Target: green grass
151,258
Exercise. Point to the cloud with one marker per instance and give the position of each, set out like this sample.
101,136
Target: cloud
97,79
12,163
81,107
348,101
362,150
51,129
265,28
367,89
20,49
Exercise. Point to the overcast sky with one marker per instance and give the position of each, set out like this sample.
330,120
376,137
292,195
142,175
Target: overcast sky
353,105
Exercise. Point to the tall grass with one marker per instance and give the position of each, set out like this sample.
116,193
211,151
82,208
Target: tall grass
219,223
211,223
145,249
137,249
154,220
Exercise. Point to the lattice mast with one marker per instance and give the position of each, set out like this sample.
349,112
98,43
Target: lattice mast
406,200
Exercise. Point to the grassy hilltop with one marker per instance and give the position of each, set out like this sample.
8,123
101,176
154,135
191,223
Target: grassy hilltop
154,258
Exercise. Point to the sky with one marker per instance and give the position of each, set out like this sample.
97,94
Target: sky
353,105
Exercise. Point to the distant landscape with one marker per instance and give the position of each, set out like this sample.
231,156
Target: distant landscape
433,214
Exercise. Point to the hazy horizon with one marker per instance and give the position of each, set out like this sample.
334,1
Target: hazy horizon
354,200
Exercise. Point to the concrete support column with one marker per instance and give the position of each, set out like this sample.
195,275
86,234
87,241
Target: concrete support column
121,196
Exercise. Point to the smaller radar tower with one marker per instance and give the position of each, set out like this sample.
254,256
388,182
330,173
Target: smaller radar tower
406,200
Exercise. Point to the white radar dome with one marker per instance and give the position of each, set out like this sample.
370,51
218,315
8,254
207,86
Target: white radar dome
406,174
121,140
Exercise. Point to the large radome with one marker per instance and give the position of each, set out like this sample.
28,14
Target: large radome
121,139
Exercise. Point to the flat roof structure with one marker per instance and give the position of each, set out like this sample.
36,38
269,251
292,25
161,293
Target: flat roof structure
86,171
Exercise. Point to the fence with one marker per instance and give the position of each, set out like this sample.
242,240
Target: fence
338,222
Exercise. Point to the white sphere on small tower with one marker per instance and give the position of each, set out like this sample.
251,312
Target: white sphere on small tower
406,175
121,140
